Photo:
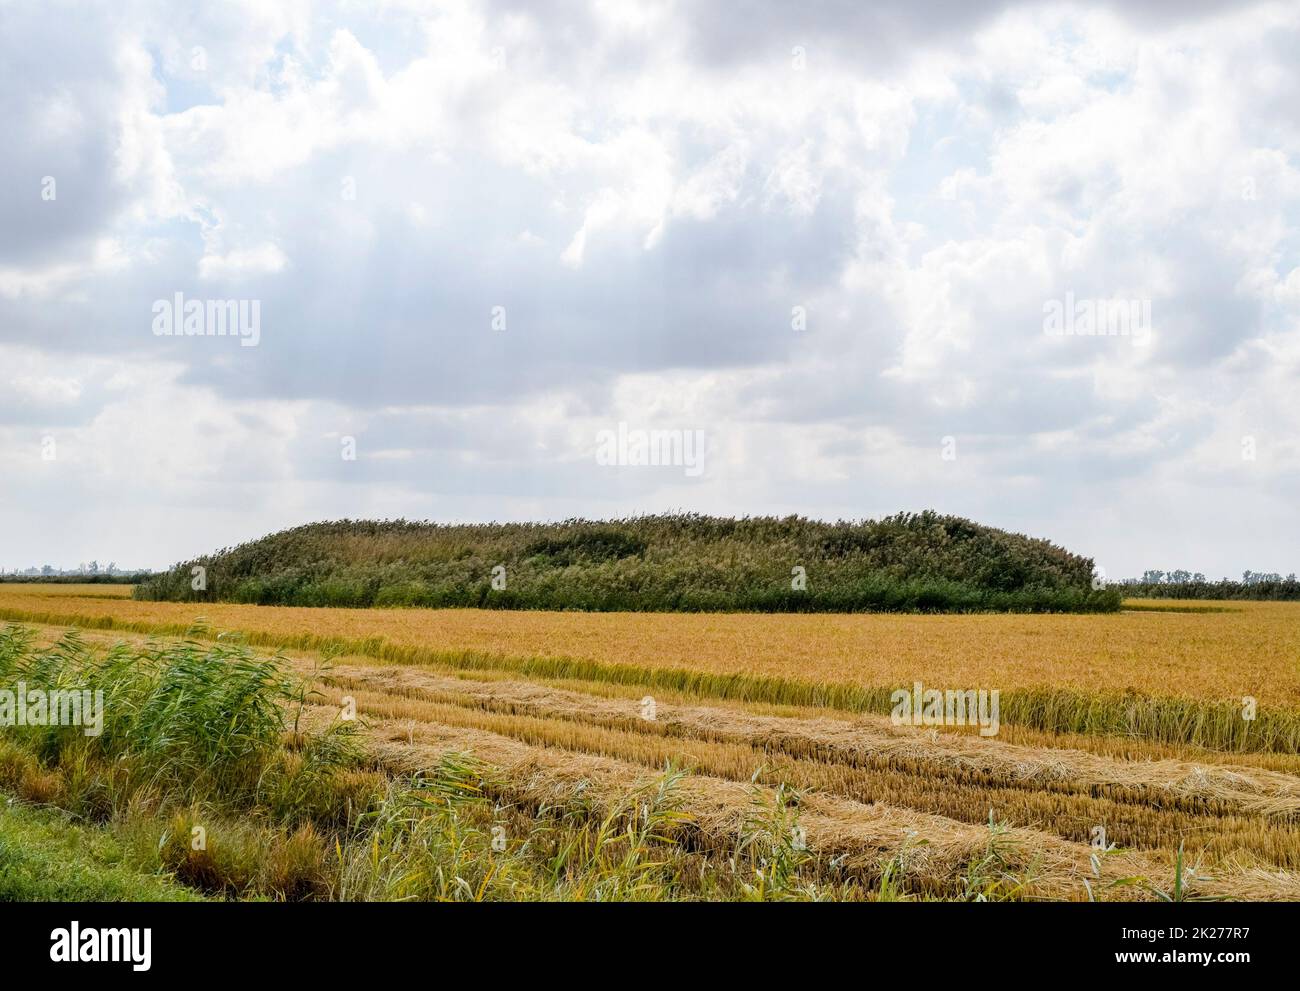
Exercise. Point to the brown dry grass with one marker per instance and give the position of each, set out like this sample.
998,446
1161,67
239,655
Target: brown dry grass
861,742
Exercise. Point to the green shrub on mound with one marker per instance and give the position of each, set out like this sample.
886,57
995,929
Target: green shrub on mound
911,562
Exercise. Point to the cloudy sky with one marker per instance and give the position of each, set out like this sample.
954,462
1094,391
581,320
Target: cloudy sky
479,234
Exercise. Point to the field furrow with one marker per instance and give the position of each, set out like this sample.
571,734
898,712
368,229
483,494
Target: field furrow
1223,813
853,839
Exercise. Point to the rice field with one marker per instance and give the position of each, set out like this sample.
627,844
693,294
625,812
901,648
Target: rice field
1176,675
1241,648
1121,742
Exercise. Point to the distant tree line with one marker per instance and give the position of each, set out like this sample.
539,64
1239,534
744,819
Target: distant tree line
75,578
1257,585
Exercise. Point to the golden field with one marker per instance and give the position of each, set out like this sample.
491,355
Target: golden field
1250,648
799,702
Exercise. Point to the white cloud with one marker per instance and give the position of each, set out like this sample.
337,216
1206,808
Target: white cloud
263,259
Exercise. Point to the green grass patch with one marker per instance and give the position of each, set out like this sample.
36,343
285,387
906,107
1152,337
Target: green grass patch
45,856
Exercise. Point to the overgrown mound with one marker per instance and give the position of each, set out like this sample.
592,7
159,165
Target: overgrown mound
685,562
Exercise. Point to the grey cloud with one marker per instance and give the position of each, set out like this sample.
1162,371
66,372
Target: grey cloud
59,100
408,317
872,35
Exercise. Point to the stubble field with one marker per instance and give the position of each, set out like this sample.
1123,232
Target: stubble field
1123,738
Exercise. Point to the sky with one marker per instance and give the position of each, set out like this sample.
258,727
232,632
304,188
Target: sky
836,259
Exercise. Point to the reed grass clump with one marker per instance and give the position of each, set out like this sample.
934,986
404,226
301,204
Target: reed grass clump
911,562
177,724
